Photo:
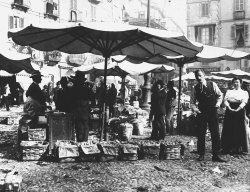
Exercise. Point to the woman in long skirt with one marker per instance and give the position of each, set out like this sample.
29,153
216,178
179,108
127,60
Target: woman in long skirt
234,138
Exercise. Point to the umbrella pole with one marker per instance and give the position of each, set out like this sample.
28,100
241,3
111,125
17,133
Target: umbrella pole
104,112
179,100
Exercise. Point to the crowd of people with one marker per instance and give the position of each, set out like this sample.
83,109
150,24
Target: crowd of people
75,95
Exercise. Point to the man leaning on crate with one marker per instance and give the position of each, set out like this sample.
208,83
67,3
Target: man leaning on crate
35,105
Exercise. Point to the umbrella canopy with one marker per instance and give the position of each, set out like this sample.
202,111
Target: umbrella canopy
188,76
13,62
106,39
124,68
233,73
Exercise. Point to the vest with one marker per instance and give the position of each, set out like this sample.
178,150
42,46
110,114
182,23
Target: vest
205,96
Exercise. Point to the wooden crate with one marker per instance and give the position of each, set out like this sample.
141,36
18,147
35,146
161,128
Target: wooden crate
33,150
169,152
38,134
8,135
66,149
88,151
128,152
61,127
109,151
151,151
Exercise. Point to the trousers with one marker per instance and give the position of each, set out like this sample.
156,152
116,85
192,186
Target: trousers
208,117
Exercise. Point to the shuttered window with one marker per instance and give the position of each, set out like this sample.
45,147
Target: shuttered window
16,22
205,34
204,9
239,33
239,5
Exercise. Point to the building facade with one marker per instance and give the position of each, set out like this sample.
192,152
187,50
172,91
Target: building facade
222,23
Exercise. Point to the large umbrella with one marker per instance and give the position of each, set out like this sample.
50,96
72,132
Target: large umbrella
14,62
208,54
233,73
106,39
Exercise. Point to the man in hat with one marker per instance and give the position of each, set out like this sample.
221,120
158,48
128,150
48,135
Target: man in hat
35,104
158,111
81,96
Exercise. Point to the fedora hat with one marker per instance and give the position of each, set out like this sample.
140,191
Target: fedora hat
35,74
79,76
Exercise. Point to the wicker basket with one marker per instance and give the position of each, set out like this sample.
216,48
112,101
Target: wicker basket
33,150
151,151
37,134
109,151
170,152
66,149
128,152
88,151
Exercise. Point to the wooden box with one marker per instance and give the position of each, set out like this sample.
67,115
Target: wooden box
128,152
170,152
151,151
33,150
66,149
88,151
38,134
109,151
61,127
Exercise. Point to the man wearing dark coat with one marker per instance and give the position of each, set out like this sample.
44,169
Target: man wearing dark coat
35,104
81,96
158,111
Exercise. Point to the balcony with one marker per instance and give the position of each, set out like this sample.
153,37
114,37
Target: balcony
51,16
20,5
239,15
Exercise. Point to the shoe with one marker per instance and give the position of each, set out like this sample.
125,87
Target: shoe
218,159
200,158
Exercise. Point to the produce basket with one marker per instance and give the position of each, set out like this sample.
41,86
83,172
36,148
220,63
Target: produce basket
33,150
66,149
150,150
8,135
128,152
125,131
88,151
38,134
109,151
169,152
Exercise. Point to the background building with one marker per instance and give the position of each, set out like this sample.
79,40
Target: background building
222,23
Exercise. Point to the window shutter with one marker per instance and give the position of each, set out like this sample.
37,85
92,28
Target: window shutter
233,32
196,33
11,20
210,35
246,32
75,4
21,22
71,4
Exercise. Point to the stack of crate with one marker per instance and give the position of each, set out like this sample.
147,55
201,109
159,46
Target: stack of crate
32,144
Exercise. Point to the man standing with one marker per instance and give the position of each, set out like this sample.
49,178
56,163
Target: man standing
209,98
81,97
158,111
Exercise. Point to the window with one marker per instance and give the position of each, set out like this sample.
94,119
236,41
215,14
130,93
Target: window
20,2
239,5
204,9
73,16
74,4
205,34
240,34
93,13
15,22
